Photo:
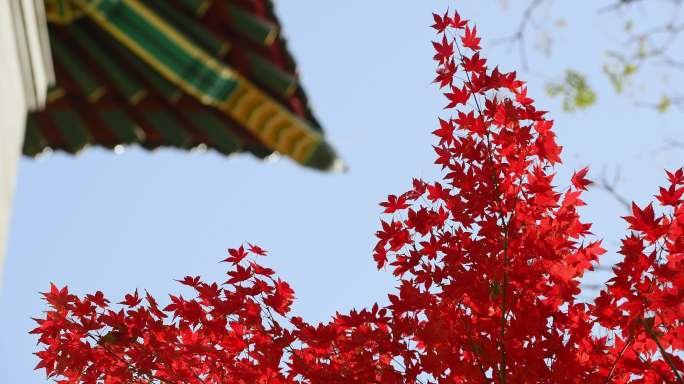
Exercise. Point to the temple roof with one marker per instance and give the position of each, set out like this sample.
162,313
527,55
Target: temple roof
175,73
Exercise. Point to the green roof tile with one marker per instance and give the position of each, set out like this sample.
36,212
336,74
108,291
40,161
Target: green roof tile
72,129
168,127
251,26
129,87
271,76
121,125
79,74
191,27
217,130
198,7
34,142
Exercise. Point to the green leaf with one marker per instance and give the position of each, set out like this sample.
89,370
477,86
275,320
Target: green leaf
575,91
664,104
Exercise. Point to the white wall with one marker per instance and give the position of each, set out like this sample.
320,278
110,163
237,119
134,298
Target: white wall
25,72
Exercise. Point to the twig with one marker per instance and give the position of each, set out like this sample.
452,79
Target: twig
665,355
519,36
617,5
611,188
617,359
650,366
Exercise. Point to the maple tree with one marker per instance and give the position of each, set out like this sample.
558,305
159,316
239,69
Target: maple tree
488,263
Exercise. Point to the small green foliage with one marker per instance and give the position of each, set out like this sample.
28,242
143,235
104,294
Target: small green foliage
629,69
619,70
576,92
642,49
664,104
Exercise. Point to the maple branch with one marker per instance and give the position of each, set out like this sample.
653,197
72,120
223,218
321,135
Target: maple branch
502,371
404,368
477,356
617,359
496,192
664,353
650,366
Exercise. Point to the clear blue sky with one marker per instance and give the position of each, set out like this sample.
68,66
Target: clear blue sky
100,221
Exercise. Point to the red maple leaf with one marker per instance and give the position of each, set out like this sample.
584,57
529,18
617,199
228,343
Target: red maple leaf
470,39
457,96
457,22
394,204
671,196
441,22
521,96
236,255
255,249
445,132
444,50
579,180
474,64
131,300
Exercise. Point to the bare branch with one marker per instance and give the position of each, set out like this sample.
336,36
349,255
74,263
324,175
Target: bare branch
617,5
610,186
518,38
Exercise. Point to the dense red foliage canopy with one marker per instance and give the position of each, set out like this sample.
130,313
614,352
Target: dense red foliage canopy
488,262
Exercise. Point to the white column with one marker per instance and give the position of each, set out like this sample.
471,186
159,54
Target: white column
25,71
